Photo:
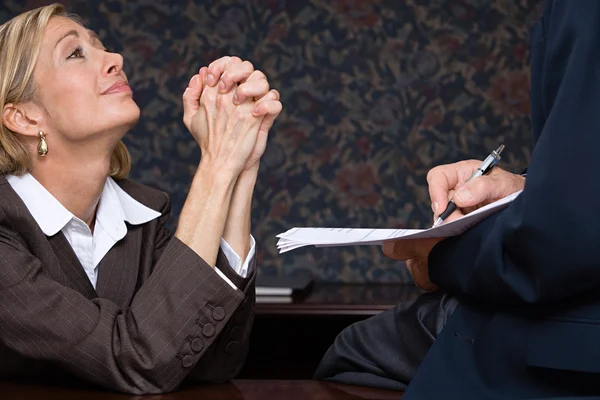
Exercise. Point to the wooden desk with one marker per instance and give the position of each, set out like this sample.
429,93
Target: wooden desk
236,390
363,300
289,340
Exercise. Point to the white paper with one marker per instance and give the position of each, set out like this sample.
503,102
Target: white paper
330,237
273,299
273,291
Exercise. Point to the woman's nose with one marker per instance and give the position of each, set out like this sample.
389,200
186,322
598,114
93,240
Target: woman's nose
113,63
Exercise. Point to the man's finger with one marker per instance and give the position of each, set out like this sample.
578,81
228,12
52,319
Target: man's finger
419,271
388,249
459,212
483,190
401,250
441,180
473,192
456,214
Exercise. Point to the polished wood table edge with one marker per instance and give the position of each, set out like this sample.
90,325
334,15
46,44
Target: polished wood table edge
360,391
328,298
318,309
239,389
370,393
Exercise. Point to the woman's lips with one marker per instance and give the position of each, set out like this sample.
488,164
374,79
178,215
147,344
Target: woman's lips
118,87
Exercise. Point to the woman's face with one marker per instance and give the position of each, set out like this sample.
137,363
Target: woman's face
81,86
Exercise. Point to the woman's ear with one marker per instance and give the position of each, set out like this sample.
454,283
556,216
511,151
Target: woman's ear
23,119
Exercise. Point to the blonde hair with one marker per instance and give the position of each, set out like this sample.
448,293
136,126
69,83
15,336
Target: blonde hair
20,42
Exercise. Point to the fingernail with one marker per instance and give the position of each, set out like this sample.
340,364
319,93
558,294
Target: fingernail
222,85
235,98
434,206
193,81
464,195
210,78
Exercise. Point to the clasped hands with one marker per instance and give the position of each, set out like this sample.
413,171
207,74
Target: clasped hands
450,182
229,109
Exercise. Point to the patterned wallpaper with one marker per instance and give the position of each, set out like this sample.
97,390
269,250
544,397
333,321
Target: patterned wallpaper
375,93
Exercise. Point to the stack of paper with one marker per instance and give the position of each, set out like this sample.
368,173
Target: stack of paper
282,289
329,237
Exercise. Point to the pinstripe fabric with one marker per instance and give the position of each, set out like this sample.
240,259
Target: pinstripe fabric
159,311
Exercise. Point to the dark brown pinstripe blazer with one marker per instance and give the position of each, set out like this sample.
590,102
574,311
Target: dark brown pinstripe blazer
159,313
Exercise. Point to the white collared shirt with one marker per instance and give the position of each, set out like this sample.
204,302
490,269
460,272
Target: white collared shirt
114,209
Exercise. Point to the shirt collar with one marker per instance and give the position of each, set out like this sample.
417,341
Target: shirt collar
115,207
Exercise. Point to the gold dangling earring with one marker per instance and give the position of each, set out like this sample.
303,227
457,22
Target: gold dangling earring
42,145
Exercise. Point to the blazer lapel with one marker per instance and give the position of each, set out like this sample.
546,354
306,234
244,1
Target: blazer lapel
60,261
72,270
118,270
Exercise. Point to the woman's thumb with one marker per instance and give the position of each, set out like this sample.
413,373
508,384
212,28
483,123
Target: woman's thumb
191,98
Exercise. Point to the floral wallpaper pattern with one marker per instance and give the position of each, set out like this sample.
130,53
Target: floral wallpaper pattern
375,93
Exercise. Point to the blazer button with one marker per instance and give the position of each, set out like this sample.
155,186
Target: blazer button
232,347
187,361
197,345
208,330
218,313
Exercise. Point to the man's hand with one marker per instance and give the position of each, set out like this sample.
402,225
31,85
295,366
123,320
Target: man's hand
450,182
416,253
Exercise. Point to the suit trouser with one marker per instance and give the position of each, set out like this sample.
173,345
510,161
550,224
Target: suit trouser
384,351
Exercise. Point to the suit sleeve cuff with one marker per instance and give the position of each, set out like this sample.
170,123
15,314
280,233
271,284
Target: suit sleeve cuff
235,261
225,278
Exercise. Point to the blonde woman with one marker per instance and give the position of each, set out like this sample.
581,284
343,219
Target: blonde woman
92,286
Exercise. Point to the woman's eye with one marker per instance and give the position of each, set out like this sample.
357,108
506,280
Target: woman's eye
77,53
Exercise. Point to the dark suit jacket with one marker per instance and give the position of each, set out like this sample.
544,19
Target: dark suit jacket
159,313
529,276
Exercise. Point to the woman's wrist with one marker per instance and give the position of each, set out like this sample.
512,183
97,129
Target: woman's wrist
215,174
237,227
204,214
249,176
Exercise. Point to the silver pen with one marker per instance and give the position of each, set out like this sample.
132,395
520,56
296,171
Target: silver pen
484,168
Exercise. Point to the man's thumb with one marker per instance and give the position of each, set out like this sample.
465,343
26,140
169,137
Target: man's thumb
463,197
479,191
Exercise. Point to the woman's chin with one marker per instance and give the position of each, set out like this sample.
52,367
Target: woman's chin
130,123
127,117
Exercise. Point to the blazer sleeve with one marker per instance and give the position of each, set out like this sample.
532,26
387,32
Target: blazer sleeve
222,263
149,347
543,248
224,360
